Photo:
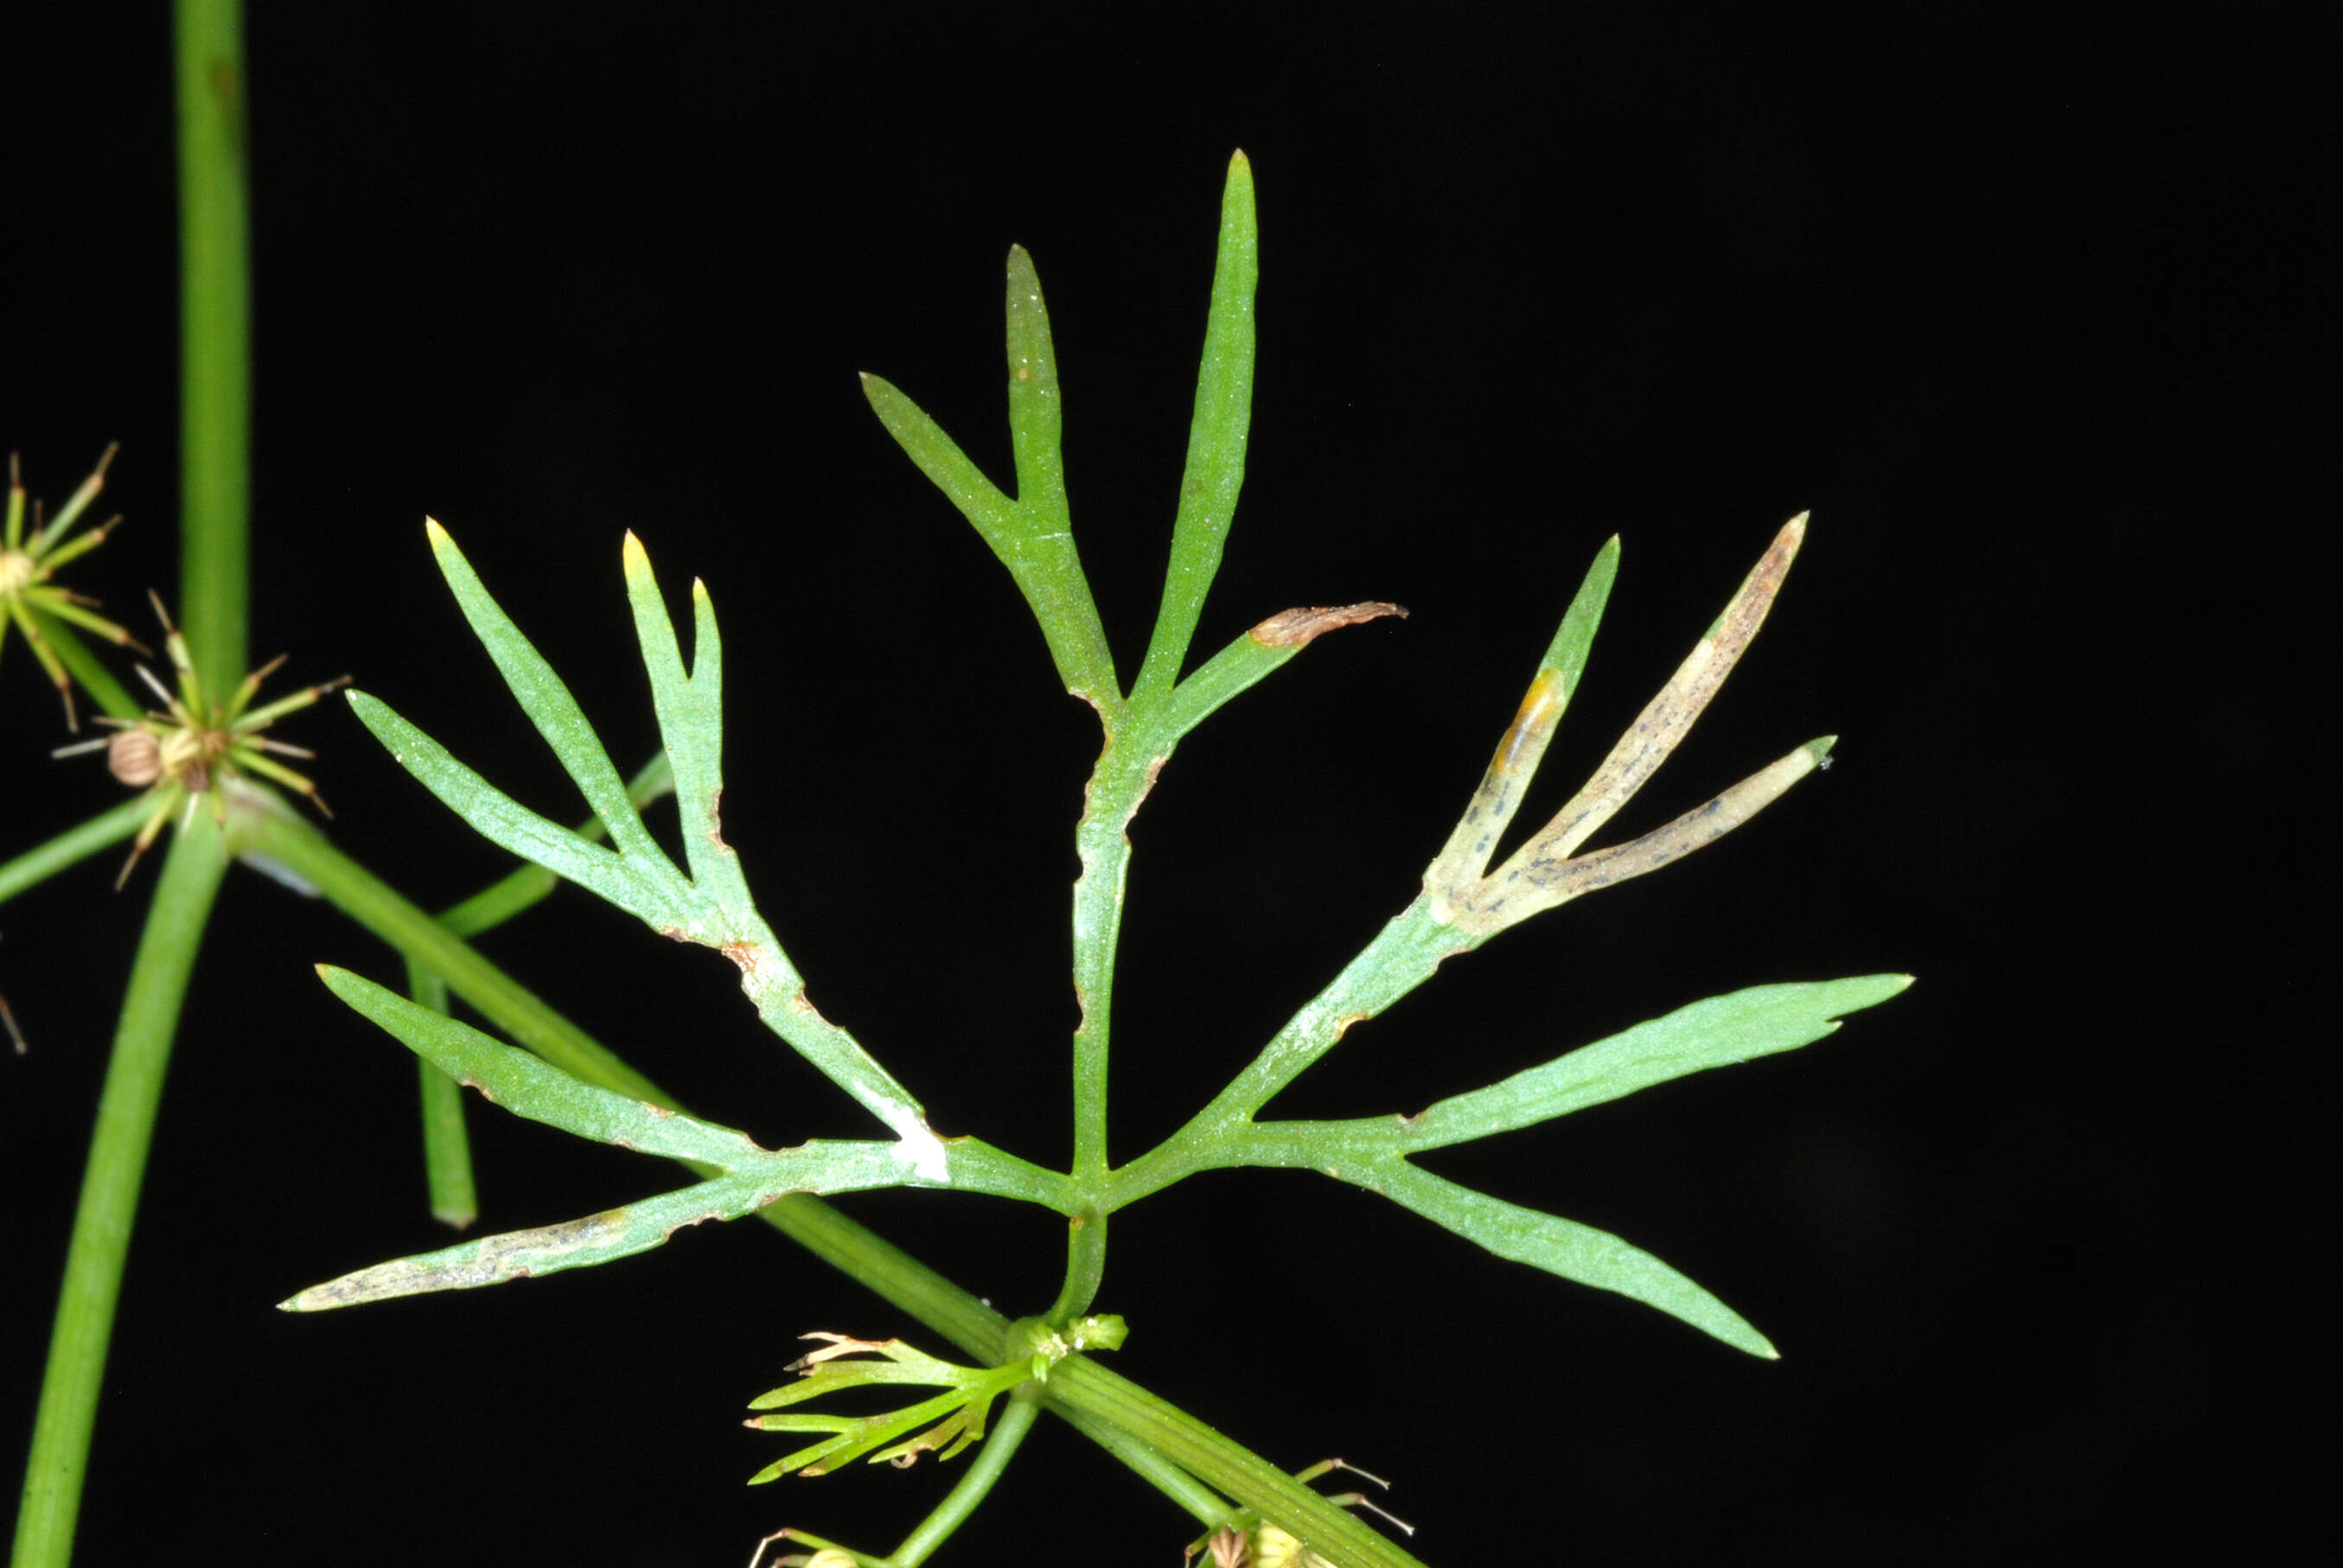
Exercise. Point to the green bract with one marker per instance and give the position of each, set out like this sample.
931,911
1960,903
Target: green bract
1462,904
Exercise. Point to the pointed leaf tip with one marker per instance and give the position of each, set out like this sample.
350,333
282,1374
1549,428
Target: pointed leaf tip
435,533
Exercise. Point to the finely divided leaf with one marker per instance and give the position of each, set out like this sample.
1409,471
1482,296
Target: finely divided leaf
1564,1247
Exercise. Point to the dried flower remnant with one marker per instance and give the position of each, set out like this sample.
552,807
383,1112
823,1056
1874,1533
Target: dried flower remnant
1295,628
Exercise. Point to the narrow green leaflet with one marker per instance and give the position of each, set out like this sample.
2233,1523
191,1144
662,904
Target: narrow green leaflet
530,1086
505,822
1371,1151
1717,1033
690,708
521,1083
546,701
1037,415
527,884
1032,536
1216,436
1563,1247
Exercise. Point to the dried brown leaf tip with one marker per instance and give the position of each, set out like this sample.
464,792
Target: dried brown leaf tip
1295,628
1548,869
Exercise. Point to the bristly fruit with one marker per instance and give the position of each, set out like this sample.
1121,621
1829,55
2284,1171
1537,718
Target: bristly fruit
29,601
183,752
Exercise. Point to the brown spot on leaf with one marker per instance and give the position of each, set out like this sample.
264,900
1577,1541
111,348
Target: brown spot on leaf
743,955
1295,628
1343,1025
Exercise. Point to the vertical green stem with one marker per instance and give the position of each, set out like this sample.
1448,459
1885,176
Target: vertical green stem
214,335
1085,1267
446,1151
109,1196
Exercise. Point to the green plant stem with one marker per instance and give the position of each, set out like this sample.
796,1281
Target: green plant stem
214,333
446,1151
72,847
1081,1385
1158,1435
67,1414
1085,1267
1001,1446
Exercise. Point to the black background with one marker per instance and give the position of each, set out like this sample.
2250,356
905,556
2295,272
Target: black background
2018,311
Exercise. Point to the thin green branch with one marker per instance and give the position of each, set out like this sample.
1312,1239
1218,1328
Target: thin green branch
446,1147
72,847
215,331
92,1288
1085,1268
